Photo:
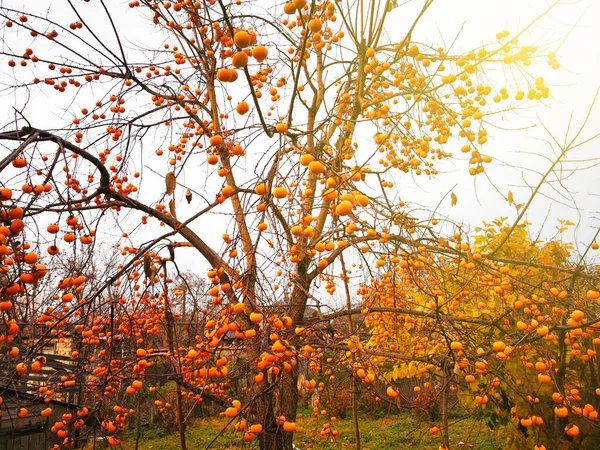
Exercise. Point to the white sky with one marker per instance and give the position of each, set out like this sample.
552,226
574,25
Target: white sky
572,87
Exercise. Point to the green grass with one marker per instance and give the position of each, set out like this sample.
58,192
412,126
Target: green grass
390,432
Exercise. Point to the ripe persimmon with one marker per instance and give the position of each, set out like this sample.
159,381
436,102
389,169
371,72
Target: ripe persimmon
261,189
239,60
344,208
260,53
16,226
526,421
12,289
15,213
316,167
5,193
19,163
315,25
391,392
216,140
256,428
561,411
224,75
6,305
242,108
306,159
278,347
572,430
456,346
26,277
543,378
290,427
280,192
72,220
30,258
242,39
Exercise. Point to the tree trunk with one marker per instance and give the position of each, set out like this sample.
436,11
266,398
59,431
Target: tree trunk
353,399
273,436
445,409
174,359
265,409
559,423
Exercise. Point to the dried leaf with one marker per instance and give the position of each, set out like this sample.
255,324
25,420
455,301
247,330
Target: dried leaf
171,182
510,198
149,268
453,199
300,383
172,208
457,370
188,195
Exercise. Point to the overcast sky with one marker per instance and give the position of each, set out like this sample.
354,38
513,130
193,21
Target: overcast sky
572,88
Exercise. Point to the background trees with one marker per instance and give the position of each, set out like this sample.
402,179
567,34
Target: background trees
280,137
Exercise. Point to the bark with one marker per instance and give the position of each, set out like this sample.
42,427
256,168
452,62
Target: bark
445,408
266,409
559,381
176,364
354,399
273,436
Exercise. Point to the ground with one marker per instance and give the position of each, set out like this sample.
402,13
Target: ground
388,432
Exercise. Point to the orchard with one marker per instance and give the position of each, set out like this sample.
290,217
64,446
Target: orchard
205,211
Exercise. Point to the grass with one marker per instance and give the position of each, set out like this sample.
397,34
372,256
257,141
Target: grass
389,432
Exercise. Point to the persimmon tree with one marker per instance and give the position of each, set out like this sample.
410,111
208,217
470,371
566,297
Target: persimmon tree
265,143
510,334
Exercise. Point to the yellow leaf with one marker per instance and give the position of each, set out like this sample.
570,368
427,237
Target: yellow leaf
354,344
510,198
453,199
457,370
